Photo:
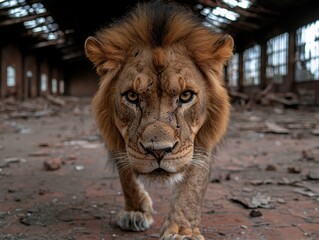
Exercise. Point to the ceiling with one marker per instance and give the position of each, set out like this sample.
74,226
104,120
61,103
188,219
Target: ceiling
66,24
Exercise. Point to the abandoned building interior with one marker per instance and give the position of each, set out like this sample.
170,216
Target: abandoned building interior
53,182
42,45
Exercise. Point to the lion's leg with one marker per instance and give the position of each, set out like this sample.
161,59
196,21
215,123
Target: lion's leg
137,215
184,215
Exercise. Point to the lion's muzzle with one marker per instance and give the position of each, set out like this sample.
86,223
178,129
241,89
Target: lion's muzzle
158,139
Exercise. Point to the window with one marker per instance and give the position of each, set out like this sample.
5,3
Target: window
307,52
11,76
29,74
44,82
61,87
232,71
277,55
252,66
54,86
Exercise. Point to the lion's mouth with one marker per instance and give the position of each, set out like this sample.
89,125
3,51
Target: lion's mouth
160,172
160,175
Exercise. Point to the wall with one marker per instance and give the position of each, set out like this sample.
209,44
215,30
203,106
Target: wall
11,56
82,80
30,86
308,92
44,69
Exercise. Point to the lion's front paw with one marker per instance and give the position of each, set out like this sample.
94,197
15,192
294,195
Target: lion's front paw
173,236
174,232
182,237
134,221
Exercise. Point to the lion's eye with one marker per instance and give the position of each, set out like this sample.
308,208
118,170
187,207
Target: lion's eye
186,96
131,97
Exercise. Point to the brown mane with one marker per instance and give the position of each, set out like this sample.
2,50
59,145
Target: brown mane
158,26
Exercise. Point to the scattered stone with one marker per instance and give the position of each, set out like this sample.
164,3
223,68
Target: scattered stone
275,128
257,182
315,131
305,192
44,144
222,233
287,181
257,201
313,174
52,164
271,167
39,154
281,201
307,154
56,100
79,167
42,191
7,161
294,169
11,190
255,213
243,226
155,235
246,189
72,157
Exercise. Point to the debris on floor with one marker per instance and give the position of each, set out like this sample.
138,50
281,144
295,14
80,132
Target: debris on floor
55,183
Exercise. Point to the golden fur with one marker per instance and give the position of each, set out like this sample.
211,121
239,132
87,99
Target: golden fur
161,108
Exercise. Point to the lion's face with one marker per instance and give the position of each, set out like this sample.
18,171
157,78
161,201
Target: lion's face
161,98
159,112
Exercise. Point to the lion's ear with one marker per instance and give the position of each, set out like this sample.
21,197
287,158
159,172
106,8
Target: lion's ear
223,48
211,51
94,52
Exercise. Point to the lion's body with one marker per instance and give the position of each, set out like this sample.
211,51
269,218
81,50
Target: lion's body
161,108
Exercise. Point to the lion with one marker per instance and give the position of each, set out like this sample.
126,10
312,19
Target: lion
162,109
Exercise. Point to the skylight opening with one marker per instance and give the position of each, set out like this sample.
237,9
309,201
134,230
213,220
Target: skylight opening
52,36
238,3
206,11
38,8
53,27
40,20
199,6
216,18
19,11
44,28
226,13
37,29
11,3
30,24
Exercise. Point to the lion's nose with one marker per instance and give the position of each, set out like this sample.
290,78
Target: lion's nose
158,139
158,153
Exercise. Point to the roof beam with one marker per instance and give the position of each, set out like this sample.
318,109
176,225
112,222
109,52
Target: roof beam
250,12
220,4
48,43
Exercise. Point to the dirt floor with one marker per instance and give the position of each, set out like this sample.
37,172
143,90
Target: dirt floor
54,183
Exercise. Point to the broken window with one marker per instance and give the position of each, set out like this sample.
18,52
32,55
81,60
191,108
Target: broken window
11,76
44,82
54,86
307,52
232,71
252,66
277,55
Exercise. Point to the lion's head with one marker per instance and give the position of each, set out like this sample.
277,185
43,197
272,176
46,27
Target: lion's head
161,97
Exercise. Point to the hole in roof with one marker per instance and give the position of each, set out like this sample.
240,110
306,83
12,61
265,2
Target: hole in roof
240,3
43,27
